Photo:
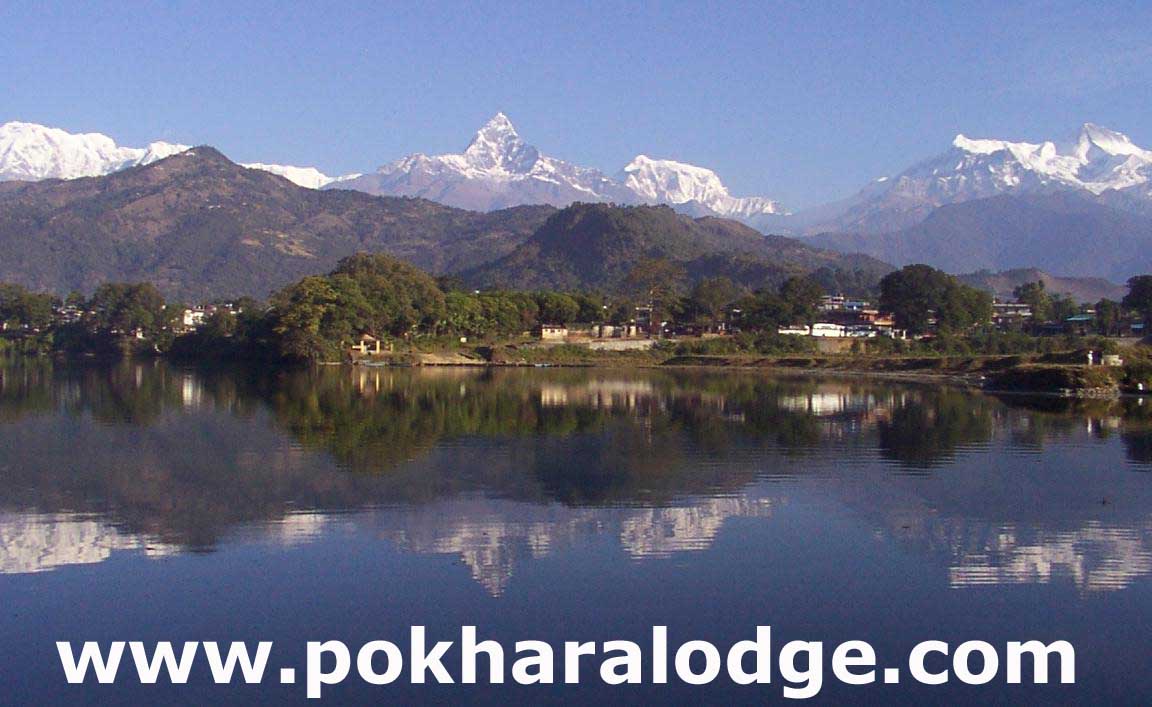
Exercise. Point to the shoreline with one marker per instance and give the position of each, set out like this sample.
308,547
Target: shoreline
1002,374
1049,374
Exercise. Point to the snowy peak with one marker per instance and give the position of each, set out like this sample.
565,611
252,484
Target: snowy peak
1095,139
1096,161
498,169
308,177
32,152
677,183
498,147
668,179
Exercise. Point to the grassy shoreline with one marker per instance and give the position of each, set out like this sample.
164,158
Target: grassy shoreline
1033,373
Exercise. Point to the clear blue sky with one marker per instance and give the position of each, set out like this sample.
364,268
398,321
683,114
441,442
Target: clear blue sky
800,101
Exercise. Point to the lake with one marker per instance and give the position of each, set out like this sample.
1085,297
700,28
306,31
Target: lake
144,502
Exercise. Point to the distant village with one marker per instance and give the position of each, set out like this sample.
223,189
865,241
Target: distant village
374,306
840,321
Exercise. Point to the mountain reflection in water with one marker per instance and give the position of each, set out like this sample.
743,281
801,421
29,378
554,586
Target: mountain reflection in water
499,468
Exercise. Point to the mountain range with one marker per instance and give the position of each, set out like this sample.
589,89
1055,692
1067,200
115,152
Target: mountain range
980,204
1068,233
200,227
497,170
1099,163
31,152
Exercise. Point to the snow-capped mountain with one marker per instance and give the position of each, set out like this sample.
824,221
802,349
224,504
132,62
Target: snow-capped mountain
32,152
692,187
309,177
1099,162
498,170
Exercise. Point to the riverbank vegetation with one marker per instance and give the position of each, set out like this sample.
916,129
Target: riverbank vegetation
406,316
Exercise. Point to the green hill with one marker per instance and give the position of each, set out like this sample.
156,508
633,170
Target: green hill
594,246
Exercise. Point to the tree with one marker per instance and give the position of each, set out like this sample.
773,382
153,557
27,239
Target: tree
220,324
656,282
1108,316
124,308
1063,307
1036,297
764,310
916,293
1139,296
711,297
557,308
19,307
592,307
463,314
398,297
911,294
961,307
802,295
300,313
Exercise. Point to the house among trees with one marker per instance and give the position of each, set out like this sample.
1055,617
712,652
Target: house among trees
1011,316
367,345
618,331
552,332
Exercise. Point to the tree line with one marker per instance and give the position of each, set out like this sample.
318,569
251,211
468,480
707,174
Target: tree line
317,317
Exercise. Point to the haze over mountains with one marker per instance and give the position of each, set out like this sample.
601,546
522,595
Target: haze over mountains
980,204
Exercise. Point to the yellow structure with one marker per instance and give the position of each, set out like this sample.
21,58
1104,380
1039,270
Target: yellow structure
367,345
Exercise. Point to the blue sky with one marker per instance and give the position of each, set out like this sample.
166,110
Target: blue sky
799,101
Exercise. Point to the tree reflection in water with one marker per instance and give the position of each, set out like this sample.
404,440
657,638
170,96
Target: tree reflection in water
477,461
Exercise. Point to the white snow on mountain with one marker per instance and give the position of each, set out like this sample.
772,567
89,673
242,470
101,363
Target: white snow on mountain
1097,161
498,169
33,152
677,183
309,177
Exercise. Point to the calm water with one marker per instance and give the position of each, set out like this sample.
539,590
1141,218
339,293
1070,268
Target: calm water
145,502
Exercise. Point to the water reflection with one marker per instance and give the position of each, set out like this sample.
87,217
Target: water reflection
498,468
33,543
1095,557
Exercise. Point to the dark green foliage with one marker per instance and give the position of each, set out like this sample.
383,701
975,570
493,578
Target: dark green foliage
366,294
764,310
917,293
125,308
1037,298
802,297
1139,296
487,314
558,308
21,308
711,299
